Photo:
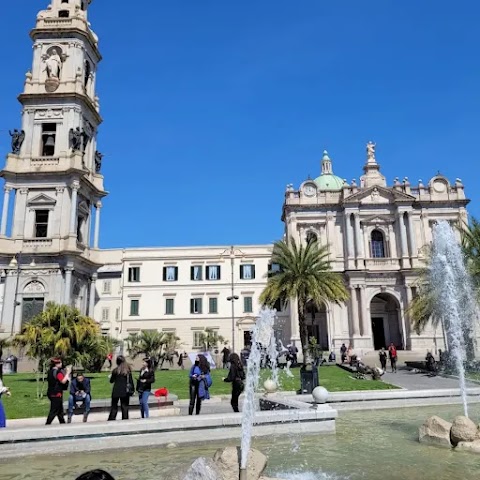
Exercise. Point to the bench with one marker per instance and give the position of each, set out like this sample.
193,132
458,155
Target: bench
103,405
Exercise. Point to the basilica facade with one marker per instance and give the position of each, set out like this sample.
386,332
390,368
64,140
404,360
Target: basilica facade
378,235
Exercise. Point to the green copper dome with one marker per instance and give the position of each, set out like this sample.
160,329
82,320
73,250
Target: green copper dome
327,180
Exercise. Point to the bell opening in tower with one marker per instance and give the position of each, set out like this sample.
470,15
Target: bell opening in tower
49,131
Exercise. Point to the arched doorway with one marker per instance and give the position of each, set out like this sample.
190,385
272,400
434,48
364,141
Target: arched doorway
385,318
317,325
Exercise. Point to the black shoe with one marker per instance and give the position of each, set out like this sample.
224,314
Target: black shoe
69,419
85,417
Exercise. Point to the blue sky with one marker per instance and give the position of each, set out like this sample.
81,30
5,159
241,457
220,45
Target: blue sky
211,107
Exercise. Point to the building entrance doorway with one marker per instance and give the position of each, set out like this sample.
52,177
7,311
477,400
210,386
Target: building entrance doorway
385,318
247,338
378,331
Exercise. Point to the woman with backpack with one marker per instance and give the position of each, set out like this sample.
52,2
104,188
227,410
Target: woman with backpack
200,382
236,377
123,388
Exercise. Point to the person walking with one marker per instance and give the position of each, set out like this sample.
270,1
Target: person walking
236,376
392,351
200,382
58,380
123,388
3,391
144,386
80,391
225,356
343,352
109,359
382,355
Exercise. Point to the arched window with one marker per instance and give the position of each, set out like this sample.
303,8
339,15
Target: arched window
312,237
377,244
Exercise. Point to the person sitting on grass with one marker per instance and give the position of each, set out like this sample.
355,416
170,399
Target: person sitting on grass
80,392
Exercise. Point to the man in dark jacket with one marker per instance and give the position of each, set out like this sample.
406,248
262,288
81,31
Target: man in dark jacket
79,393
58,379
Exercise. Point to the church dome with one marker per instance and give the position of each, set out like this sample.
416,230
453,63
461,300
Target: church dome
327,180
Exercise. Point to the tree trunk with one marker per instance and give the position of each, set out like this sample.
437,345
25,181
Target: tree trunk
303,331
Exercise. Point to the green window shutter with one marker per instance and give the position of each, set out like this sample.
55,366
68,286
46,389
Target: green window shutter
192,305
247,304
213,305
253,272
176,273
164,274
133,307
169,306
192,273
200,310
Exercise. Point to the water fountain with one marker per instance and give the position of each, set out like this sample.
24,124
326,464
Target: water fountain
453,296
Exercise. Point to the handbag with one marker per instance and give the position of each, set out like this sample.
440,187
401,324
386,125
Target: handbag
130,387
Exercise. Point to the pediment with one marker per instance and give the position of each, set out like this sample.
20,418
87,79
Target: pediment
377,220
42,199
379,195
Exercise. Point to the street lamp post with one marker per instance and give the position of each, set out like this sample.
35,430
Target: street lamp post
232,253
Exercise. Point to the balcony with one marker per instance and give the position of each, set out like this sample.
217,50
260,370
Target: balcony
382,264
37,242
44,161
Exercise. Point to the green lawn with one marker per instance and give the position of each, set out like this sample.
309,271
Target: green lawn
23,403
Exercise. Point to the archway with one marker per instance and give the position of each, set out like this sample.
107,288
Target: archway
385,318
317,325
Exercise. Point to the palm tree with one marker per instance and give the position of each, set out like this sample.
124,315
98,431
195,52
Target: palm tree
60,330
152,344
305,274
210,339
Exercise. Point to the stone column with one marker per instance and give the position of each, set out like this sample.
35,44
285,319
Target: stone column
408,301
403,235
358,237
354,312
20,215
348,234
68,286
93,291
73,208
365,329
96,237
411,235
6,199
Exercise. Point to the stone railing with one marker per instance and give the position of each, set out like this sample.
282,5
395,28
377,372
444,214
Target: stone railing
386,263
37,242
44,161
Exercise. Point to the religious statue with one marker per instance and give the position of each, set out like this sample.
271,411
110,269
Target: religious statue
54,64
371,151
98,161
17,140
76,139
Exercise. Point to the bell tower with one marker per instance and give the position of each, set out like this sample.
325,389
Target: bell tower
49,247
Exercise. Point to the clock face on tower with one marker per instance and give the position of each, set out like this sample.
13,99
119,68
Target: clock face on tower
309,190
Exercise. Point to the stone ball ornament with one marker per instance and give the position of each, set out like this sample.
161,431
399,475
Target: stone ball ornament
270,386
320,395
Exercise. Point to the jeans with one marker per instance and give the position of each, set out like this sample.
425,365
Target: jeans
56,410
143,399
3,418
195,400
124,402
237,389
72,400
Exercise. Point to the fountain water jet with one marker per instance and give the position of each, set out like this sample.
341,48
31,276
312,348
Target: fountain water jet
261,335
453,296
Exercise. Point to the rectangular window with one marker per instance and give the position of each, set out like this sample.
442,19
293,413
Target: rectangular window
195,305
134,274
107,286
278,306
134,307
212,305
170,274
274,269
247,304
117,314
49,133
196,272
247,272
105,314
213,272
41,223
169,306
197,335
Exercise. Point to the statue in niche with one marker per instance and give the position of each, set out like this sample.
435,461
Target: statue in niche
98,161
76,139
371,151
54,64
17,140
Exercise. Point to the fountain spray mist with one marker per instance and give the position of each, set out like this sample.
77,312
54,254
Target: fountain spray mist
453,297
261,336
